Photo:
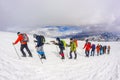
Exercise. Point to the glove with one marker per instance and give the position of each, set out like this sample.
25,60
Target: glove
13,43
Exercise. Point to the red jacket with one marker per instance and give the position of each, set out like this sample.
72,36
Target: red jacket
20,38
87,46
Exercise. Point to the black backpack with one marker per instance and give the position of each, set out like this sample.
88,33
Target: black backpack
42,39
62,45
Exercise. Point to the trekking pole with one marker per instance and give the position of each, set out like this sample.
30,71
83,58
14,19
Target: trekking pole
16,52
57,49
67,53
58,55
40,59
55,45
39,56
79,51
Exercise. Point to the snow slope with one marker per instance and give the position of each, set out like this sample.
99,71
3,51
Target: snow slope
105,67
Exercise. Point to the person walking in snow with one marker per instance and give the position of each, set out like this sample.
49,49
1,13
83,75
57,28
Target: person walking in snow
108,49
23,39
92,50
61,47
40,40
104,49
101,49
87,47
98,49
72,48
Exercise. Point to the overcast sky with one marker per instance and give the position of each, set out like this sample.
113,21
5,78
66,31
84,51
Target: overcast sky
27,14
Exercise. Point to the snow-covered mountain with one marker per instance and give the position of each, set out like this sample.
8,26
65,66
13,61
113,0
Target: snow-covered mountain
104,67
53,31
80,32
98,36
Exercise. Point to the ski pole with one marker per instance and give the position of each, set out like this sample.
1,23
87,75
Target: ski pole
16,52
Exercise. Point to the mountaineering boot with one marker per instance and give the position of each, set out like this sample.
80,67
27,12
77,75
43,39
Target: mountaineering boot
30,56
23,55
62,57
43,56
75,56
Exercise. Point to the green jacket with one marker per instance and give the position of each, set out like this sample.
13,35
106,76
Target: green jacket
73,46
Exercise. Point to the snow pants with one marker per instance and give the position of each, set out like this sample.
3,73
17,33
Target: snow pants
74,54
40,51
27,49
92,52
87,53
62,53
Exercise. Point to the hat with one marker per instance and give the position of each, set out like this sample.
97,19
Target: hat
58,39
86,40
34,35
18,33
71,38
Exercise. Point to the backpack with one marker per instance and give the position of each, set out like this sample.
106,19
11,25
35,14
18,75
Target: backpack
25,37
64,43
42,39
76,42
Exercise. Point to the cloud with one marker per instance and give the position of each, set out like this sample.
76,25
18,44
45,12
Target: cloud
21,13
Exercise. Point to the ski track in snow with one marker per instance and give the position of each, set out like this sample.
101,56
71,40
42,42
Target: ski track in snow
104,67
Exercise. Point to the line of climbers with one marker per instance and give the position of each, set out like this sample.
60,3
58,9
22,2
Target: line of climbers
90,48
40,40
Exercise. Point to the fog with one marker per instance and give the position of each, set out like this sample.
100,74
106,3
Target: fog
30,14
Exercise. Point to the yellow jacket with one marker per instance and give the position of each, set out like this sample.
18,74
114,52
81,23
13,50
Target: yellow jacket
73,46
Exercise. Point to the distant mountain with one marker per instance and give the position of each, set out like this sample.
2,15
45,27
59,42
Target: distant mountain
55,31
95,36
78,32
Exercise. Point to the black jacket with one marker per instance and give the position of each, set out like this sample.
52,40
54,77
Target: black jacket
39,41
61,45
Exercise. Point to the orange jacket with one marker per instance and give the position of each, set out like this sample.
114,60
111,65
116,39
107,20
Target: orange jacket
98,48
87,46
20,38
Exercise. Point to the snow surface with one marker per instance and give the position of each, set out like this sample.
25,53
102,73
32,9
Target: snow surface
105,67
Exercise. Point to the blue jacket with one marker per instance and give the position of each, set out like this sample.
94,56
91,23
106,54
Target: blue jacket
93,47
